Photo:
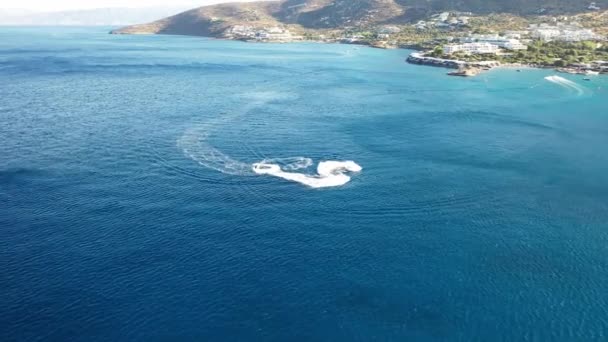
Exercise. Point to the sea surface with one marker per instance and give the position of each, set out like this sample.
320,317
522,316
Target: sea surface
129,210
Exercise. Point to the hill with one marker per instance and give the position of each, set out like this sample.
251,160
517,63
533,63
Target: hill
335,14
521,7
210,20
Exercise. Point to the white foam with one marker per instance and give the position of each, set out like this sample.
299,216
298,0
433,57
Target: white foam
194,143
566,83
329,173
290,164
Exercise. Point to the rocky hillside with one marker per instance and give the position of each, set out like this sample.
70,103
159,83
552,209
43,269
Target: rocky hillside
210,20
324,14
311,14
338,13
524,7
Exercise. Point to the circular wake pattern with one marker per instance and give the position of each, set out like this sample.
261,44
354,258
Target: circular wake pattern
194,143
329,173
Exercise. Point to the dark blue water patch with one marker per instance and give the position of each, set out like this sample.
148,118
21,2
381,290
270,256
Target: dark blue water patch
38,51
512,135
67,66
19,175
474,116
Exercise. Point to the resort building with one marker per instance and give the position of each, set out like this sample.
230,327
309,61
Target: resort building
565,33
241,31
352,39
389,30
463,20
515,34
275,34
471,48
494,39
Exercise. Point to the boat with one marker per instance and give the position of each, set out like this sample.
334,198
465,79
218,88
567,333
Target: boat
586,79
591,72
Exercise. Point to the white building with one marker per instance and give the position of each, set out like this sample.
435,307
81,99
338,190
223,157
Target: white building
389,30
514,44
421,25
451,48
353,38
494,39
578,35
566,33
276,30
242,31
275,34
442,25
546,34
471,48
515,34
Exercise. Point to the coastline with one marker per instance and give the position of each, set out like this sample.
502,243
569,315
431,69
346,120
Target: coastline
417,57
474,68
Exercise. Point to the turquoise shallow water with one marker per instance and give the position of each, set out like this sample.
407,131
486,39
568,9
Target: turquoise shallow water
481,212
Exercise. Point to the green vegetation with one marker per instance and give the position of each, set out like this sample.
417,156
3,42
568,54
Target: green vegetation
425,40
597,21
559,54
523,7
550,54
498,22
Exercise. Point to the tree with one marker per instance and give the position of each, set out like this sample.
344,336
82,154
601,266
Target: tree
588,45
560,63
437,51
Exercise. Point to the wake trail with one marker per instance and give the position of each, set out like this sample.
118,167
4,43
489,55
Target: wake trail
565,83
329,173
195,145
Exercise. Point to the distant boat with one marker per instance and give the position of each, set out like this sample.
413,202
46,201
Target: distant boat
586,79
591,72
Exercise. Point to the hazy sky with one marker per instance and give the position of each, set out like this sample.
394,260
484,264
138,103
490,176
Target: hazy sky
61,5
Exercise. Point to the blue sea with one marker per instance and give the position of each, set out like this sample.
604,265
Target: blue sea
129,210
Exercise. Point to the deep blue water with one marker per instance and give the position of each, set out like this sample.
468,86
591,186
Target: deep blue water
481,213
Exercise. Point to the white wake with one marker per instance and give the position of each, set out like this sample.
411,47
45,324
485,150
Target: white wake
566,83
195,145
329,173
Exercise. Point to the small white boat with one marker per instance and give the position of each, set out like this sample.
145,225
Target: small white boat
591,72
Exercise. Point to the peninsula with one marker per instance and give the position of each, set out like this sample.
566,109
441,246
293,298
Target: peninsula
565,34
